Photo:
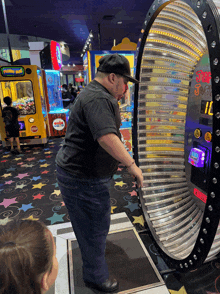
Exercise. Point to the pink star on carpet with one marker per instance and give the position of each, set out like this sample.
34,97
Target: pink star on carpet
8,202
134,184
9,182
4,160
133,193
20,163
45,172
38,196
30,158
49,156
119,169
21,176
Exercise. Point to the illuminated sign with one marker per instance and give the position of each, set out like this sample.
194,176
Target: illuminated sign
200,195
56,55
196,157
12,71
206,107
21,125
58,124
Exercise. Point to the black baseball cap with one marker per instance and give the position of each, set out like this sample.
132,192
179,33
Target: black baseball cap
118,64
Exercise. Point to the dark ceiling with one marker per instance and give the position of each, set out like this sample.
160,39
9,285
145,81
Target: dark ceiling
71,21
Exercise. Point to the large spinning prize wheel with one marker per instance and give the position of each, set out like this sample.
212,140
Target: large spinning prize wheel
176,129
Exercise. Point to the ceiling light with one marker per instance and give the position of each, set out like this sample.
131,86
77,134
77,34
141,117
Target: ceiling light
119,22
74,65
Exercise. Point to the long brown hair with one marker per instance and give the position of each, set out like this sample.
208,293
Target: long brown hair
26,252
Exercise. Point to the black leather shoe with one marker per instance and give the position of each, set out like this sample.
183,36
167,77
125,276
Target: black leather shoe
110,285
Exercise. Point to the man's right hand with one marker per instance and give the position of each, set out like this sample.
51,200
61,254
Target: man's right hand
136,172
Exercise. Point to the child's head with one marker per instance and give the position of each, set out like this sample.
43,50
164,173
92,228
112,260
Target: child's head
7,100
28,263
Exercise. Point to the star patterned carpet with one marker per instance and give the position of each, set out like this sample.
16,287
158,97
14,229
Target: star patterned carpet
29,190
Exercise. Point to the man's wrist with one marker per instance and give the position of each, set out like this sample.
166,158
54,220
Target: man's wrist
133,162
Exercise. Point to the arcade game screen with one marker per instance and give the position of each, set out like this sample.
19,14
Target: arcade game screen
22,95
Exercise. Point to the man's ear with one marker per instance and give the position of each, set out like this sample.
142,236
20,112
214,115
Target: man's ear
111,78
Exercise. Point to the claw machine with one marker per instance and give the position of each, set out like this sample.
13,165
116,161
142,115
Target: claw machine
57,115
24,84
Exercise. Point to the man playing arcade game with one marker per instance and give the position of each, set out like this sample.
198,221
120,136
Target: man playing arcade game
87,161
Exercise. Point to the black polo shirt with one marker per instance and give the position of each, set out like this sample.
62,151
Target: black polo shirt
94,114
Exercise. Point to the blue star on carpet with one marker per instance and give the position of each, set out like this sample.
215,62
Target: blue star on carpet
116,177
55,185
56,218
36,178
10,169
132,206
25,207
42,160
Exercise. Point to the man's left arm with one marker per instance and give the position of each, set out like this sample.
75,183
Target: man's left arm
113,145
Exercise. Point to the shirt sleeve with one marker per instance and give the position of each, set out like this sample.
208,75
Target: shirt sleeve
100,117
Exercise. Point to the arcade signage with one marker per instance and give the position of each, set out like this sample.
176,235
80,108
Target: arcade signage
58,124
12,71
56,55
79,80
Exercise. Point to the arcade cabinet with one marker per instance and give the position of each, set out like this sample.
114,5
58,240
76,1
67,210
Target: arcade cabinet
24,84
57,115
51,62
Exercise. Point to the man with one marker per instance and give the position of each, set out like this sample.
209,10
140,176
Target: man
87,161
66,96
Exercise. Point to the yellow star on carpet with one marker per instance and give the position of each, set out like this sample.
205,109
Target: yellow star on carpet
57,192
120,183
112,208
39,186
181,291
17,158
138,220
4,221
48,152
31,218
44,165
5,156
6,175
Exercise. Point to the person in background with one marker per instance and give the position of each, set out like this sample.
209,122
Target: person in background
88,160
27,258
73,93
10,117
66,96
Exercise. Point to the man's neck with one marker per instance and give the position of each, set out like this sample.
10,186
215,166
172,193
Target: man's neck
104,84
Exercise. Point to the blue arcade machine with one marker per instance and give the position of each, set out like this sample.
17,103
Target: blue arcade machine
57,115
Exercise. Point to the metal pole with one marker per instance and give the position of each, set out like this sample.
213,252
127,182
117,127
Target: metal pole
7,30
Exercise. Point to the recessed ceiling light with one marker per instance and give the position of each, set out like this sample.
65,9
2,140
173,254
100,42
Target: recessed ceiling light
119,22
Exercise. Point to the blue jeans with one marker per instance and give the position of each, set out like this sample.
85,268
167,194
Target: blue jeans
89,208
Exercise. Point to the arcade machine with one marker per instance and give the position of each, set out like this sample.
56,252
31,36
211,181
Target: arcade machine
51,61
57,115
176,131
24,84
91,63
